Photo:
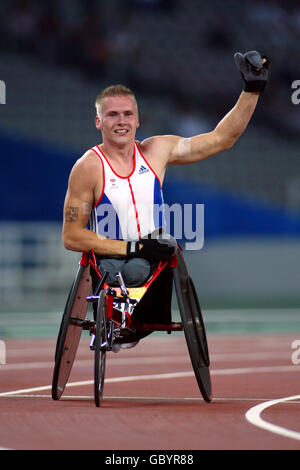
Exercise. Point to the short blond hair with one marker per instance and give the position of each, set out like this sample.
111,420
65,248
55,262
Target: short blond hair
113,90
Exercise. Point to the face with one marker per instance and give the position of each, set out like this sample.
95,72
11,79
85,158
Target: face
118,119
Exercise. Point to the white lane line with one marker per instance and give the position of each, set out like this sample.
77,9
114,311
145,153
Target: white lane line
253,416
132,378
170,375
254,370
146,360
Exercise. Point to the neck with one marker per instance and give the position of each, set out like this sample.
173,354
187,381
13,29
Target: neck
122,152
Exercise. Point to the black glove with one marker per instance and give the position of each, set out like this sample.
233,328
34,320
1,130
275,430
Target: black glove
152,250
254,72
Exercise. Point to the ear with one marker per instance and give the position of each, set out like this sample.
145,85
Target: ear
98,123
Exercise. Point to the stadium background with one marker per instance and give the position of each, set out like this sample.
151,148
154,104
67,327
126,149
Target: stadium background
178,58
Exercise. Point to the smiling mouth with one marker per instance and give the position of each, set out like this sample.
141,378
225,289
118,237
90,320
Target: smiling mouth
121,131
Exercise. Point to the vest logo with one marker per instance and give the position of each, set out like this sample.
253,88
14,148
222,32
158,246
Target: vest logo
143,169
113,182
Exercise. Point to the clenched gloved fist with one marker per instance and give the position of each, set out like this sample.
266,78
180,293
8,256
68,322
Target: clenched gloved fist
152,250
254,70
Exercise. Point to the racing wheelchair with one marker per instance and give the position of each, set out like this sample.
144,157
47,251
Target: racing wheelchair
127,314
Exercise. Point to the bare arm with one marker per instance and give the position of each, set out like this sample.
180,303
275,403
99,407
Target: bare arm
162,151
226,133
79,201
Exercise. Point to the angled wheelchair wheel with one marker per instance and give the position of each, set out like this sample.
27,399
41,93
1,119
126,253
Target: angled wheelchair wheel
100,346
198,322
193,327
70,330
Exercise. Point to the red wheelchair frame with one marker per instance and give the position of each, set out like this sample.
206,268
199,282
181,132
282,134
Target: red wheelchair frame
116,319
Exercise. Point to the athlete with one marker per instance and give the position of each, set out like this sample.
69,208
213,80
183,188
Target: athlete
119,182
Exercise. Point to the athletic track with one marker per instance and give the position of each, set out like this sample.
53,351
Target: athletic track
151,397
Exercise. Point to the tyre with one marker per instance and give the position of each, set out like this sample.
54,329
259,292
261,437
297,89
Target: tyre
69,333
193,327
100,345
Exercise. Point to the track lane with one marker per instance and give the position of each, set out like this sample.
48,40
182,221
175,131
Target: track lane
171,415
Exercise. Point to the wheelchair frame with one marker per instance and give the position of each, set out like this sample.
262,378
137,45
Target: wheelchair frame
114,322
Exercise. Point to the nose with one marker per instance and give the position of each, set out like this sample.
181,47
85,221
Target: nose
121,119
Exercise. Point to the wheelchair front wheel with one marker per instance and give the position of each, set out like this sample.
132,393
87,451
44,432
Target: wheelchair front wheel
100,345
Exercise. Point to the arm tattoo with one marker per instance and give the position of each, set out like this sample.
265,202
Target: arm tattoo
71,214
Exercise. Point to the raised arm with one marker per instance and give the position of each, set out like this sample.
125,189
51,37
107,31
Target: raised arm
253,69
226,133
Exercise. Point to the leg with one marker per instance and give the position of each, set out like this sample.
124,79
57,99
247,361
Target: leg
111,266
135,271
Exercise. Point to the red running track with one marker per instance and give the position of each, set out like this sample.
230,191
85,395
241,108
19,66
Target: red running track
151,397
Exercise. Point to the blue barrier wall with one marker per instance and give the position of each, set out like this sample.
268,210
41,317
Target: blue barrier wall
34,179
227,215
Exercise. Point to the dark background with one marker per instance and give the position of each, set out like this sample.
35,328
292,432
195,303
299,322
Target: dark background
177,56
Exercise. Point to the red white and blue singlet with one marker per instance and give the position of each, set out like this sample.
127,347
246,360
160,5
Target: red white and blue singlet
130,207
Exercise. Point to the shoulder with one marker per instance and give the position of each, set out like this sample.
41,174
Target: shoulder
88,161
159,147
158,150
86,168
158,142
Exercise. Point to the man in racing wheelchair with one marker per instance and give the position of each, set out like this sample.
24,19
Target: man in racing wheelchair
123,178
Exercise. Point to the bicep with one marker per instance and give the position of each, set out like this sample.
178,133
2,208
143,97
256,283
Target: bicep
192,149
77,209
79,199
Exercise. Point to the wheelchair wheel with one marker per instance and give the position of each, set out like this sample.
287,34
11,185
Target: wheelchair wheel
193,327
198,322
100,345
70,332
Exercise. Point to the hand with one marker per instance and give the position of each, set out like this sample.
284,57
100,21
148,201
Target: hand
152,250
254,70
